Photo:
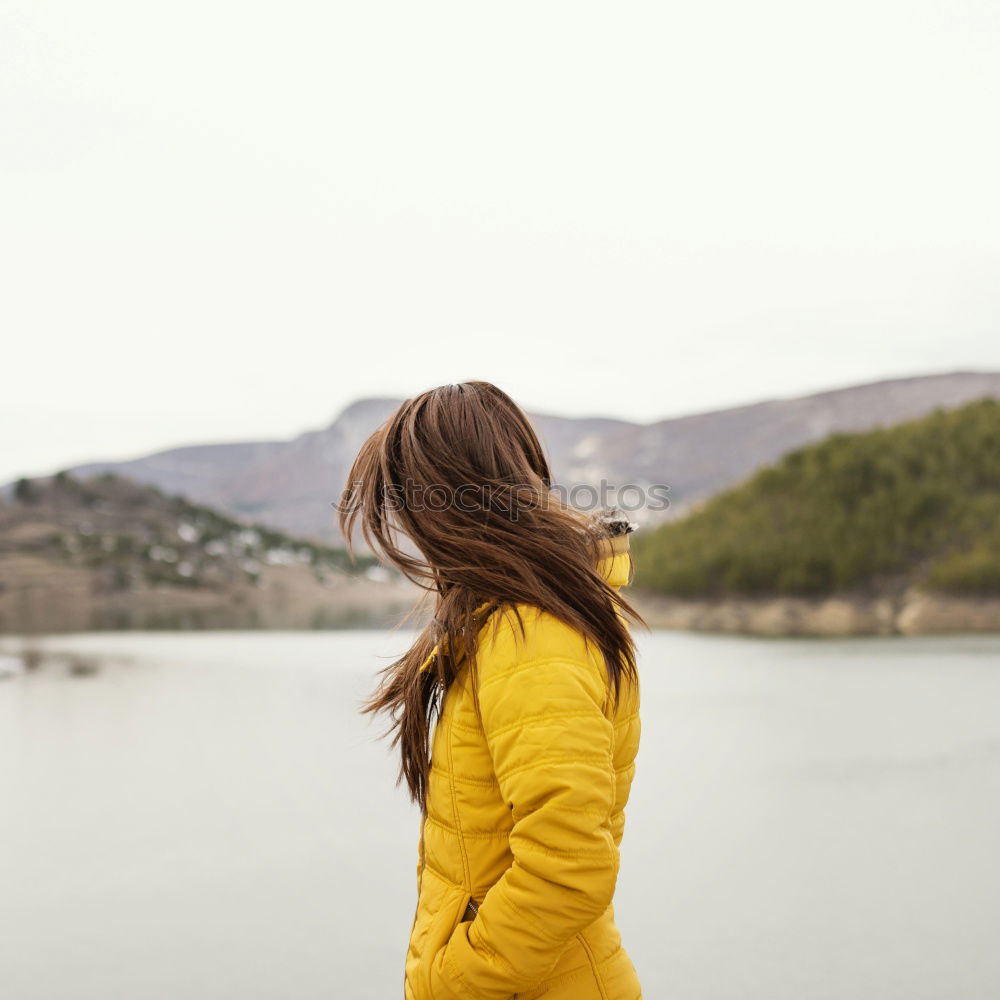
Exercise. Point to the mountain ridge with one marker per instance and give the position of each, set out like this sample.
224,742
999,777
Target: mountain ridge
291,483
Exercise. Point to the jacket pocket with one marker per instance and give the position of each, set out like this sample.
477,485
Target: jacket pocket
440,927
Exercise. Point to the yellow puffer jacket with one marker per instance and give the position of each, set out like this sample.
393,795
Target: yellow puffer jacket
525,819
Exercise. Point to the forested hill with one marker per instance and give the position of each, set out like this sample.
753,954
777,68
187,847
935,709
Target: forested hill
918,503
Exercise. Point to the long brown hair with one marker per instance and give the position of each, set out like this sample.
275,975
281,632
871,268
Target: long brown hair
459,472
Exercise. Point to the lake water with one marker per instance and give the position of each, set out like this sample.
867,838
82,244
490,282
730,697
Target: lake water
209,818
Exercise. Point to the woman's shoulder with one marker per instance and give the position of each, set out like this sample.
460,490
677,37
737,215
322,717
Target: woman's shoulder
522,634
526,652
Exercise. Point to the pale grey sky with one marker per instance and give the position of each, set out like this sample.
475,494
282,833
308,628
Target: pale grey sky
225,220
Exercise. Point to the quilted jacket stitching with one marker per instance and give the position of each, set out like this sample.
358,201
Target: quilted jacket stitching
561,852
467,779
555,758
541,662
477,727
589,811
592,960
626,720
472,834
536,717
439,875
616,818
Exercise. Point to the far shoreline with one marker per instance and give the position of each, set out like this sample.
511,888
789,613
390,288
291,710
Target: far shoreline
912,612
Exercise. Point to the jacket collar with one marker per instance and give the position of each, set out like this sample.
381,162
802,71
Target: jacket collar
614,562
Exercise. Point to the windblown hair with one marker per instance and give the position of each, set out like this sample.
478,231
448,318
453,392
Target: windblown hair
459,472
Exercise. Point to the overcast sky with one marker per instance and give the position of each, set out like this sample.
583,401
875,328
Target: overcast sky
225,220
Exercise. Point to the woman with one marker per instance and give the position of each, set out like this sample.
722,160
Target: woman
529,670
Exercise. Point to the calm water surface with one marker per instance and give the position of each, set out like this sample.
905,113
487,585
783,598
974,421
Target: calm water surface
209,818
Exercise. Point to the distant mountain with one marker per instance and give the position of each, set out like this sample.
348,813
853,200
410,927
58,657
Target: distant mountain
291,484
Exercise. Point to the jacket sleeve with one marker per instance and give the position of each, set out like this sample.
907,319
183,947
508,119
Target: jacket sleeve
552,750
